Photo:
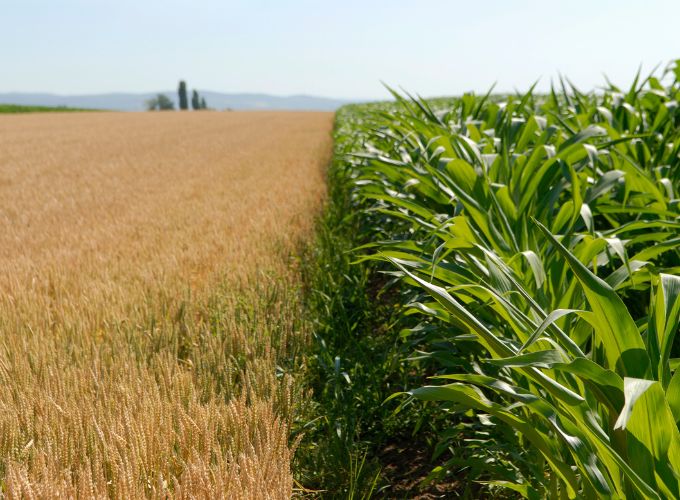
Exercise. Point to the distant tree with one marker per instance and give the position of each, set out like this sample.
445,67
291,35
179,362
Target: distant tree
160,102
151,104
195,100
182,91
164,102
203,104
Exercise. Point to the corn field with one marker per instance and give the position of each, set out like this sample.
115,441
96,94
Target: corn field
535,240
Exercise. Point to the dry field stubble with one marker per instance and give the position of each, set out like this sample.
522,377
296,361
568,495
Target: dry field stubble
147,294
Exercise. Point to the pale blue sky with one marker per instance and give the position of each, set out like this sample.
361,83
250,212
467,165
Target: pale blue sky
336,49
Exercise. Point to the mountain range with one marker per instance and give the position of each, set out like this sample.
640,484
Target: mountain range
137,101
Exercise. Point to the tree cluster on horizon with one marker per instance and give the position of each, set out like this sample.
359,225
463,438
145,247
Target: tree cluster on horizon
197,102
161,102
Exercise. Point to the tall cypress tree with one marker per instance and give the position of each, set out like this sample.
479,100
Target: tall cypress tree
182,91
203,104
195,101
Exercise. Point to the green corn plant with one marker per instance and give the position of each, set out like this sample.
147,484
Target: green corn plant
614,421
431,181
572,357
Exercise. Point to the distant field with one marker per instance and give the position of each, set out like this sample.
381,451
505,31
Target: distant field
147,298
16,108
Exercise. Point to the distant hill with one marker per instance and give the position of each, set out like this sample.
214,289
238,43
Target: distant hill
136,102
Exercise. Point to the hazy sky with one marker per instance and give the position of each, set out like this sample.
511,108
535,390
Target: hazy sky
336,49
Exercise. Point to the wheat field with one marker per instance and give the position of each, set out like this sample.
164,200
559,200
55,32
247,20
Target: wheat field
149,298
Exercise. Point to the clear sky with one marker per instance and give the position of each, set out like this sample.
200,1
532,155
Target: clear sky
336,49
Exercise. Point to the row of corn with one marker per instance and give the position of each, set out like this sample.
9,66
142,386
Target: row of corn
536,238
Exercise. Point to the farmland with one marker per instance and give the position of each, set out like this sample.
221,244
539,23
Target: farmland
149,293
18,108
474,296
514,290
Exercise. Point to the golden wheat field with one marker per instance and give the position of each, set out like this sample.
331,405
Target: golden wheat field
148,292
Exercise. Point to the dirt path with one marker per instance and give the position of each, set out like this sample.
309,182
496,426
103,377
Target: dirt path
127,242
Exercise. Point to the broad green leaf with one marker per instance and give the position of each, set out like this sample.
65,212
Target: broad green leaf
653,438
537,359
624,349
474,398
633,389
